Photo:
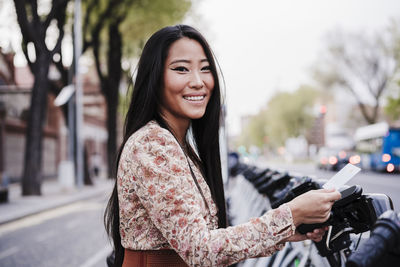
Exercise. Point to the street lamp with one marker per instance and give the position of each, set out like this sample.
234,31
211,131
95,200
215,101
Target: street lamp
78,92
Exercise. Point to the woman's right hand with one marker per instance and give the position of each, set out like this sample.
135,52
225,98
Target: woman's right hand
313,206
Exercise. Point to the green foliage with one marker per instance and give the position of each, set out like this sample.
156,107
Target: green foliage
392,108
147,16
286,115
124,101
255,131
135,19
138,19
143,19
289,115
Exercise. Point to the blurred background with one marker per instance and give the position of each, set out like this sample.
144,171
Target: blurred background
309,86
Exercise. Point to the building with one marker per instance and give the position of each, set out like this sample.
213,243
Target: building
15,91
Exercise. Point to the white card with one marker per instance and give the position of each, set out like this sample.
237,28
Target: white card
342,177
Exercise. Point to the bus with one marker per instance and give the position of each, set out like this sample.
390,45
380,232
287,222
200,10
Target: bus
379,146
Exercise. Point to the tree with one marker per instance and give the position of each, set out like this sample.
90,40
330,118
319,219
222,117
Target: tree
363,65
286,115
392,108
114,28
34,28
254,133
290,114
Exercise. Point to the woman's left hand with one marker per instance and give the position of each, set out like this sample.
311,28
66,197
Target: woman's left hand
315,236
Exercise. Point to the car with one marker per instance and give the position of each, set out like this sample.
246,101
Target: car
333,159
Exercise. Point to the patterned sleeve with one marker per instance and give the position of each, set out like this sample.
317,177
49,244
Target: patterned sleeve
165,188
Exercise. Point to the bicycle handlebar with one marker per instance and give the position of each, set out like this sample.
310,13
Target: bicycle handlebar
353,213
384,237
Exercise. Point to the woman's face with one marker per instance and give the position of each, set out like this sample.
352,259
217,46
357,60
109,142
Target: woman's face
188,82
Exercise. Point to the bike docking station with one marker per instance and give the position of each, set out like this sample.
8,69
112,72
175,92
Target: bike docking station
351,216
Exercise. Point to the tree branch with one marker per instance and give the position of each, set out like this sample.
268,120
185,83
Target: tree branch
24,24
40,44
60,67
25,50
26,30
365,79
95,34
56,7
361,105
86,43
34,7
60,17
96,47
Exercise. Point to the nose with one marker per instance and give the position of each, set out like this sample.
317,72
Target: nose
196,81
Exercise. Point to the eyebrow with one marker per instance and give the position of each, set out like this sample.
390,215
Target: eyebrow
185,61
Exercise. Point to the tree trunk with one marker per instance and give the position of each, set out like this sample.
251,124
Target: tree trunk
112,136
32,176
87,177
114,77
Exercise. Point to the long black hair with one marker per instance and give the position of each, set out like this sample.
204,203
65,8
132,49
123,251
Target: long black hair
145,106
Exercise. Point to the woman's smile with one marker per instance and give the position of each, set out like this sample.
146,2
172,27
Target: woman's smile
188,83
195,98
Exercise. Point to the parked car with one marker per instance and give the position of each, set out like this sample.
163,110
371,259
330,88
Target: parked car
335,159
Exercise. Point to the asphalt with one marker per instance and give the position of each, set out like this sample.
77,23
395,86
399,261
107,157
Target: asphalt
53,195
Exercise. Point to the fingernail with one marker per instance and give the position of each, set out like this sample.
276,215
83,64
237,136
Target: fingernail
330,188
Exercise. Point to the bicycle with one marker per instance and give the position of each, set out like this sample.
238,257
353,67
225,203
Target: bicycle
353,215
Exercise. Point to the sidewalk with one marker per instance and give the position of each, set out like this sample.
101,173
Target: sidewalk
53,196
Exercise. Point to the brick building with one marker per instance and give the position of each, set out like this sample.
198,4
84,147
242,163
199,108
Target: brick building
15,91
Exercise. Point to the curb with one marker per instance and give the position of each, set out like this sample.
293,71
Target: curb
22,207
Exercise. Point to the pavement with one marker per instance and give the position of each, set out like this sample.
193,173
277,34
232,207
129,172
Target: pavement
53,195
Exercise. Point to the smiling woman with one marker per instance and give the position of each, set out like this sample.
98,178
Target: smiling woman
168,204
188,84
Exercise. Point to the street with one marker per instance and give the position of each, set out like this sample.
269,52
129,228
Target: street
371,182
72,235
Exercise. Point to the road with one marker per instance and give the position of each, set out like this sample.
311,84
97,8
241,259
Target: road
71,235
371,182
74,235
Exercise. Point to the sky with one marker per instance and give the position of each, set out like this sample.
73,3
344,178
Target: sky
264,47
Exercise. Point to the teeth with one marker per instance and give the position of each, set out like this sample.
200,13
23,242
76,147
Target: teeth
194,98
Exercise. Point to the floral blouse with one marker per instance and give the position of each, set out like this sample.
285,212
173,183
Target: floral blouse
161,207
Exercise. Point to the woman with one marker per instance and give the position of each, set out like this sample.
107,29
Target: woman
168,202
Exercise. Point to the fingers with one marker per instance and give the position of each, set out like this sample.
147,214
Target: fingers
331,194
327,190
315,238
323,213
313,206
317,234
335,195
320,231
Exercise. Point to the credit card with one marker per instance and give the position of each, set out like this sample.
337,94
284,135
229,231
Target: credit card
342,177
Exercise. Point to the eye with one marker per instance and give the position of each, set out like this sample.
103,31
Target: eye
180,69
206,69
